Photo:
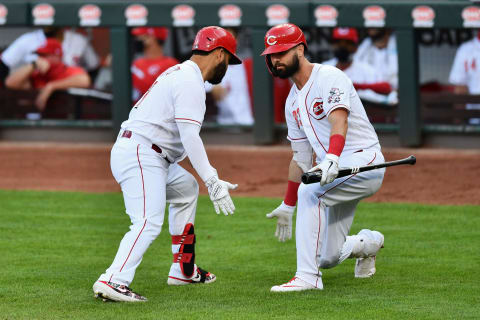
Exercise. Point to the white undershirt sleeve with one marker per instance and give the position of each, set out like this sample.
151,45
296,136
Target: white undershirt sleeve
189,135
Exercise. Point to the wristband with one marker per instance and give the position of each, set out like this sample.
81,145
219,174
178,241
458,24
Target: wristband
291,195
337,142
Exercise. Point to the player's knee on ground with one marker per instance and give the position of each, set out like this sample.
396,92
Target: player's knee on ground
329,261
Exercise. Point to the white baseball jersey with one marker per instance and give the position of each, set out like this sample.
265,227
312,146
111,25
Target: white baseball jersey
383,61
178,95
234,108
362,73
466,68
77,51
358,72
307,111
22,50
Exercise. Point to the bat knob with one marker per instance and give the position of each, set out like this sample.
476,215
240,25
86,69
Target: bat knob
412,160
312,177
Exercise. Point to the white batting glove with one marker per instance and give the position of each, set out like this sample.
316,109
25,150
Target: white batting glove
218,191
284,215
329,168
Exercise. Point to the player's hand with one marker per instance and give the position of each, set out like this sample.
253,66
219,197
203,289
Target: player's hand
218,191
284,214
43,96
329,168
43,65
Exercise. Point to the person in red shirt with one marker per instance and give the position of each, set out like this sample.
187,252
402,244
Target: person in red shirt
48,73
147,68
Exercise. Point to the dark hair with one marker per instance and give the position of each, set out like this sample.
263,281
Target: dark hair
200,52
305,49
160,42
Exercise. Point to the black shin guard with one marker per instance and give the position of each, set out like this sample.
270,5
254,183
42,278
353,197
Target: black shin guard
186,252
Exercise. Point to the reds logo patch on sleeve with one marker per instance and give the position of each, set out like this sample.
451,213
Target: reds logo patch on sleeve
316,109
335,95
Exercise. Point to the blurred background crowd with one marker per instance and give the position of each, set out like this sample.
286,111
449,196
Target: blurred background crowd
65,73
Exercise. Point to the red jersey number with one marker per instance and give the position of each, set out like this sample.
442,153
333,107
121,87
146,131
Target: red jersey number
296,116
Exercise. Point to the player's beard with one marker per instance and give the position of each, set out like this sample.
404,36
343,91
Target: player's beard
288,70
218,73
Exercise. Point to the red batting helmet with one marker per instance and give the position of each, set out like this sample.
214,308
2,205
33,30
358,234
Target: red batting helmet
345,34
161,33
282,38
213,37
51,47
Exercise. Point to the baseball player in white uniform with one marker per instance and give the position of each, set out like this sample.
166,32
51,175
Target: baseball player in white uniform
365,79
76,49
234,101
162,129
325,116
465,73
379,50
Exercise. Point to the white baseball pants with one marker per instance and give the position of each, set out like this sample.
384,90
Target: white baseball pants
147,183
325,215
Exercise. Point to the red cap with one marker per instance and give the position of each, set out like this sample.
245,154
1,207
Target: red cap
161,33
282,38
51,47
213,37
345,34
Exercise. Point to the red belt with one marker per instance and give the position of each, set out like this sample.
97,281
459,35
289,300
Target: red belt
128,134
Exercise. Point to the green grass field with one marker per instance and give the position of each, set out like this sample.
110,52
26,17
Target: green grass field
53,246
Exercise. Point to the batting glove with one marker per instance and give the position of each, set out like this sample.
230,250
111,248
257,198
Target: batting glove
218,191
328,167
284,214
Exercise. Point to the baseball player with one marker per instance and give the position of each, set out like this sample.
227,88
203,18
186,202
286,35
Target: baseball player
465,73
147,68
47,73
162,129
365,79
232,94
324,115
379,50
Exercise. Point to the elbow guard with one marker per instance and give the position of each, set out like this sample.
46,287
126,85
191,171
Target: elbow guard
302,155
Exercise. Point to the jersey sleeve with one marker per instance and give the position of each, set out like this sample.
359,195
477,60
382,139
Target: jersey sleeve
73,71
294,124
336,92
189,102
458,75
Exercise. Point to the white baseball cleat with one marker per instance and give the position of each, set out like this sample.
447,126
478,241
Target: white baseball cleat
109,291
365,267
201,276
296,284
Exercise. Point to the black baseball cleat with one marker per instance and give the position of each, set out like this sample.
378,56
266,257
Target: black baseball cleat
109,291
200,276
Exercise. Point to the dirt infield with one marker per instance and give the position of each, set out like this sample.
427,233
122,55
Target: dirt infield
439,177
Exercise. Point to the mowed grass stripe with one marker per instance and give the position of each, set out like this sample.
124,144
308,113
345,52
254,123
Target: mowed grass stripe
54,245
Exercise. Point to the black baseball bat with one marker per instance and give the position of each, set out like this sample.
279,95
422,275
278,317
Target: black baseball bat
316,176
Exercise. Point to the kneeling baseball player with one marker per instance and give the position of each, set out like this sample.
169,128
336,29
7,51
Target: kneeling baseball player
324,115
162,129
